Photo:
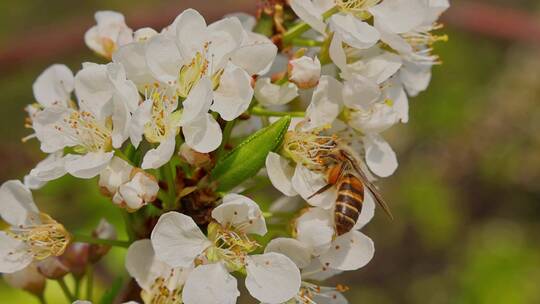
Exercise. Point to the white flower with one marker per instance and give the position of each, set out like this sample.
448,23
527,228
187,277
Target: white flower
108,34
117,173
160,283
32,235
311,12
270,94
271,277
51,168
305,72
356,33
54,86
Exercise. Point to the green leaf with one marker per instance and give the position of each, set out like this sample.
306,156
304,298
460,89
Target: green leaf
111,293
249,157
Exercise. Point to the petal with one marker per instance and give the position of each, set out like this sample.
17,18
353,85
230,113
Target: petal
132,57
325,104
305,71
88,165
141,116
272,277
367,212
125,90
255,55
177,240
400,16
17,207
198,102
210,284
52,139
234,93
330,297
14,255
380,157
309,13
164,59
203,135
415,77
395,92
248,21
381,67
157,157
350,251
225,35
94,90
360,92
240,212
270,94
297,251
51,168
318,272
143,266
315,228
337,53
280,173
307,183
118,172
378,118
28,278
191,33
121,121
54,86
354,32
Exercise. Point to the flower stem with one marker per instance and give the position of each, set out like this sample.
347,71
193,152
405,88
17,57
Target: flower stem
77,287
89,282
128,223
65,290
303,27
167,174
259,111
226,136
41,299
98,241
306,42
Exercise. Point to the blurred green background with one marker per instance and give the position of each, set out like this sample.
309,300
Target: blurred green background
465,196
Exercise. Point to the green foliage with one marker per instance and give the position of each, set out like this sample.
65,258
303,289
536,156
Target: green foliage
249,156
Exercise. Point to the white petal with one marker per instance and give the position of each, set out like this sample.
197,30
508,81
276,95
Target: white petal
88,165
132,57
143,266
307,182
191,33
272,277
121,121
28,278
17,205
140,117
44,122
94,90
318,272
248,21
337,53
400,16
315,228
210,284
54,86
354,32
380,157
378,118
157,157
177,240
280,173
309,13
125,90
360,92
240,212
380,68
325,104
203,135
270,94
415,77
297,251
395,92
14,254
349,251
255,55
234,93
330,297
51,168
305,71
164,59
198,101
226,35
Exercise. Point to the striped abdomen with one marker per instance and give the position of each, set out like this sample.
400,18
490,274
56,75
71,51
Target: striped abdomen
348,203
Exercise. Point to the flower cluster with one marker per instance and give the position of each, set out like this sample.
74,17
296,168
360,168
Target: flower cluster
178,125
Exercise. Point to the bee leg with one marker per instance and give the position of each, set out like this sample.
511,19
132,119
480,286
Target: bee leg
321,190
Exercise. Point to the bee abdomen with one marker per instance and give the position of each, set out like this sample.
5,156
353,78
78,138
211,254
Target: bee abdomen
348,204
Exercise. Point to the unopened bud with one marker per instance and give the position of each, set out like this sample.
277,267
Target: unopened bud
52,268
76,258
103,231
193,157
28,279
117,173
139,191
305,72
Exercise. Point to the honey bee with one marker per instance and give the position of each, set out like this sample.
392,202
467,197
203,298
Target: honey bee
328,154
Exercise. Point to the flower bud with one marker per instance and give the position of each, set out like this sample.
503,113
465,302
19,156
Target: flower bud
52,268
76,258
103,231
28,279
117,173
144,34
193,157
139,191
305,72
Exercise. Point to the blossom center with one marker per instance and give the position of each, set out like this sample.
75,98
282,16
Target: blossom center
159,126
356,7
159,292
91,134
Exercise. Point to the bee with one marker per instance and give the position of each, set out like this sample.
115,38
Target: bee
329,155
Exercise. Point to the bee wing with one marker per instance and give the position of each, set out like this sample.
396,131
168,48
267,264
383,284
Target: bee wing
372,188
